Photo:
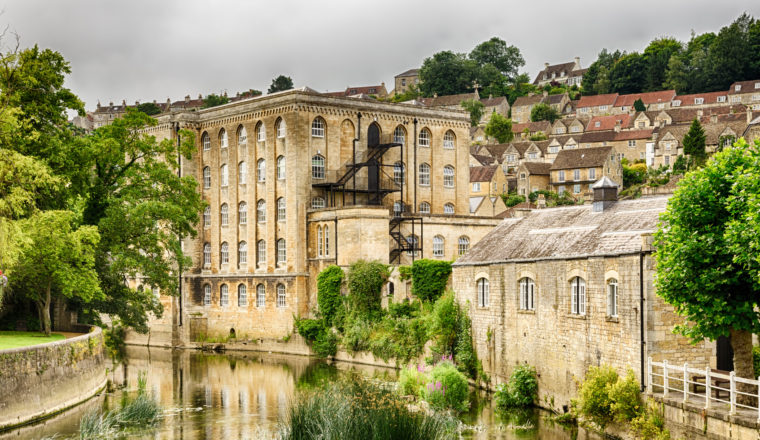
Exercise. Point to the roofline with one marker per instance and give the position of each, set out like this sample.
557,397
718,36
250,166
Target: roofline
536,260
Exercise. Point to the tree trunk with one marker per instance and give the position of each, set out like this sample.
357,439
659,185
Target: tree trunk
741,343
46,311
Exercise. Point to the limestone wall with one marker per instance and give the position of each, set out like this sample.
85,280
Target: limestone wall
45,379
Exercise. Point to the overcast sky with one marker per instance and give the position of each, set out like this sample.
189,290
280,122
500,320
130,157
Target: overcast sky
145,50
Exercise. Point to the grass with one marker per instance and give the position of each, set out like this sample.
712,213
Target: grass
25,339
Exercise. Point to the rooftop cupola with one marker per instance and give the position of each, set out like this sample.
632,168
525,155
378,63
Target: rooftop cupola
605,194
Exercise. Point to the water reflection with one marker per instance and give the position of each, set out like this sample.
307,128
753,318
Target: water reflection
244,395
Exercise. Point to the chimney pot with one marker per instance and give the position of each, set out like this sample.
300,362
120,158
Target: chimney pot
137,102
546,65
578,61
187,98
110,103
124,102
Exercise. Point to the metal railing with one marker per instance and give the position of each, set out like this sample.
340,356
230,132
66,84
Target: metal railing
704,384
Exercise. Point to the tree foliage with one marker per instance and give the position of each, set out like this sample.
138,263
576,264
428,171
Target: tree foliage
280,84
365,284
429,278
475,108
544,112
500,128
329,299
149,108
496,52
694,143
213,100
639,106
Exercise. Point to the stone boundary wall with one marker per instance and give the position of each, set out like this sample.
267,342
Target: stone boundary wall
43,380
685,420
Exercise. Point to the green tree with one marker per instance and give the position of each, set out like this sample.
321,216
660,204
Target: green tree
213,100
280,83
544,112
500,128
496,52
694,143
447,73
329,299
596,78
639,106
475,108
365,283
149,108
657,56
628,74
707,252
55,259
677,74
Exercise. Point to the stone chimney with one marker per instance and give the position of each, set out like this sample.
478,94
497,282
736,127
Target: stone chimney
578,61
154,101
98,104
520,212
137,102
618,125
714,119
200,95
187,98
110,103
225,94
541,202
546,65
124,102
605,194
435,95
700,113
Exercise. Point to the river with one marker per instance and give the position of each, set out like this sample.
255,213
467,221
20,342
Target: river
245,395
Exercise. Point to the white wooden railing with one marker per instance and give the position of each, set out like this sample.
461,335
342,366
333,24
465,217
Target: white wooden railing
717,387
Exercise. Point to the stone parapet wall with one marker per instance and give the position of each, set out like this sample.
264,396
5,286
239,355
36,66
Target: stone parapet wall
45,379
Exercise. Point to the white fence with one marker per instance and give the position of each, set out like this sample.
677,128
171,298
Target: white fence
704,384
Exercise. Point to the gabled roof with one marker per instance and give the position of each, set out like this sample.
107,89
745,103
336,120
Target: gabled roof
475,202
533,127
608,122
610,136
410,72
555,99
493,102
557,69
448,100
689,114
597,100
496,150
482,174
538,168
581,158
746,87
646,98
707,98
365,90
527,100
484,160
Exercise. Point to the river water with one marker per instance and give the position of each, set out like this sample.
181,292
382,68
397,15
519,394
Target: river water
245,395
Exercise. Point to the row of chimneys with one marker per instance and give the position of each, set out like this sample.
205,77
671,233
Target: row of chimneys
169,101
577,61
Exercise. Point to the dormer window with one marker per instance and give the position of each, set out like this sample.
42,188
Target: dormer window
602,107
699,101
721,99
737,87
597,124
676,103
373,90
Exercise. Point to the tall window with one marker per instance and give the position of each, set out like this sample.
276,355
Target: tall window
280,167
207,217
317,167
223,138
281,129
424,208
612,298
242,173
280,295
464,245
448,208
318,128
206,294
424,174
206,255
261,295
317,203
592,173
438,246
320,249
281,255
327,241
261,252
242,213
225,175
448,176
206,178
261,211
448,140
527,292
242,136
261,133
242,253
412,241
576,174
206,141
281,209
399,171
224,214
242,296
224,253
578,296
399,135
398,208
224,295
261,170
424,138
483,292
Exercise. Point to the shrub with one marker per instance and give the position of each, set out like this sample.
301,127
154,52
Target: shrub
447,388
467,360
595,402
429,278
512,200
634,174
756,359
326,344
310,328
356,334
443,323
411,381
402,339
650,424
328,292
365,283
405,309
625,395
520,391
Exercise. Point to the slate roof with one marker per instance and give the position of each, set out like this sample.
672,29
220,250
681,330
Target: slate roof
484,160
528,100
409,72
533,127
569,232
610,136
581,158
555,99
448,100
496,150
747,87
689,114
556,69
482,174
493,102
538,168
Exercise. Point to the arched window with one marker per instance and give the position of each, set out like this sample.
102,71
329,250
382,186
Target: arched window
225,175
261,295
242,173
412,242
281,128
261,170
448,176
424,174
261,133
280,167
206,141
281,209
612,298
318,127
261,252
224,295
242,213
242,136
317,167
280,295
206,178
261,211
448,208
206,255
448,140
242,296
207,217
527,294
578,296
317,203
399,173
320,250
242,253
464,245
224,253
424,138
327,241
399,135
206,294
424,208
438,246
224,214
223,138
483,292
281,255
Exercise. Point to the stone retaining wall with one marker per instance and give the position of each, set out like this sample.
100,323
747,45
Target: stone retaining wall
45,379
685,420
